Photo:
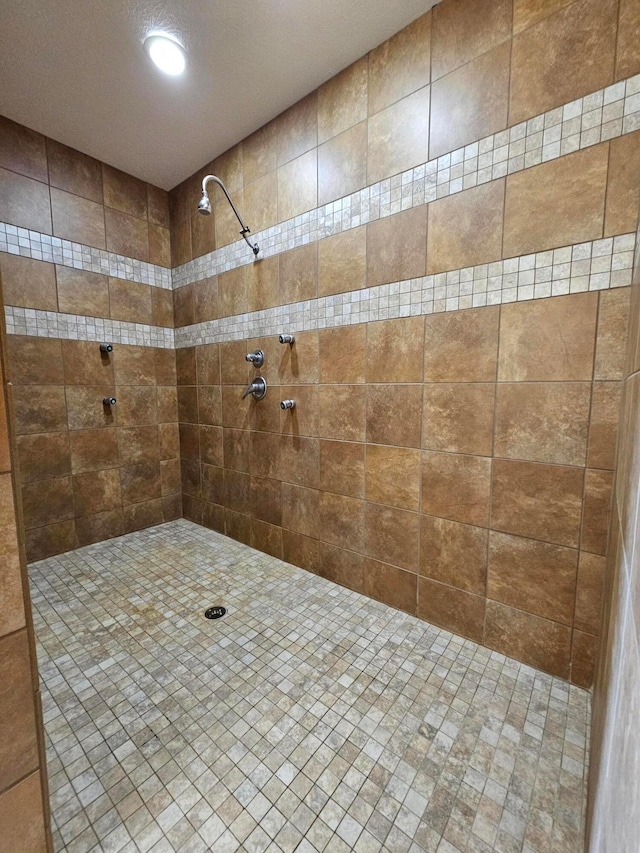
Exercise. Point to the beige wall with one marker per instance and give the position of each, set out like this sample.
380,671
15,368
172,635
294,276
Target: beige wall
614,781
24,804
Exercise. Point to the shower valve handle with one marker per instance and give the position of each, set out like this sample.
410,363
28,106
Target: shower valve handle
258,388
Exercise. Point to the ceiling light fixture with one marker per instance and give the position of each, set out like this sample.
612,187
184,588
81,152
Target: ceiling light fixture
166,53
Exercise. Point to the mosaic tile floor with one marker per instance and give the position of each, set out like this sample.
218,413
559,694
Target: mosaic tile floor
310,718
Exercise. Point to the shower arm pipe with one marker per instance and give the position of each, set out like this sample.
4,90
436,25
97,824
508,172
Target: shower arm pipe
245,228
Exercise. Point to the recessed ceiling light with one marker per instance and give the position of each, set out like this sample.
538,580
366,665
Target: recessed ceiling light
166,53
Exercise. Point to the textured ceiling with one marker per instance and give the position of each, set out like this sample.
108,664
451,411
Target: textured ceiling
75,70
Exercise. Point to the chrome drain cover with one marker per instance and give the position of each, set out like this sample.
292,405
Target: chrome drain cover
215,612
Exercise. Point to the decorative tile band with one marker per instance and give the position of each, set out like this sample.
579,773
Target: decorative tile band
597,265
43,247
50,324
603,115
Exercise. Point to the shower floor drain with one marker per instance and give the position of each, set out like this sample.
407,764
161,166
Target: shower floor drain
215,612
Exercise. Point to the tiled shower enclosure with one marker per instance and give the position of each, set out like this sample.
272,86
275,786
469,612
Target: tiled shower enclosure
414,558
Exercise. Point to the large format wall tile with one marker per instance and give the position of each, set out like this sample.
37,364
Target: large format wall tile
537,577
466,229
394,350
22,817
13,613
342,101
463,30
454,553
543,421
548,340
74,172
458,418
539,501
582,37
536,641
81,292
18,738
623,185
400,65
454,609
79,220
342,163
628,54
22,150
456,487
124,192
393,476
298,185
462,346
556,203
24,202
398,136
28,283
471,102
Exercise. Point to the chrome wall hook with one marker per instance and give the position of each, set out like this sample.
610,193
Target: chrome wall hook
287,404
106,347
287,339
108,401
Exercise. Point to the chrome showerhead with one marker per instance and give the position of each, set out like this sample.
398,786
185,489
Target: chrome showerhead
204,205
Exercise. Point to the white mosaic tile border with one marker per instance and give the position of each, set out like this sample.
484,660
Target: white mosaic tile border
50,324
597,265
43,247
603,115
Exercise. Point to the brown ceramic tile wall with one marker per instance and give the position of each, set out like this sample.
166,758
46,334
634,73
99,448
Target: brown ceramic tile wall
24,805
458,466
613,804
482,413
460,72
56,190
59,191
89,472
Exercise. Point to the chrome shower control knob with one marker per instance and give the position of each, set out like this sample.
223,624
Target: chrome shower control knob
287,404
258,388
108,401
256,358
106,347
287,339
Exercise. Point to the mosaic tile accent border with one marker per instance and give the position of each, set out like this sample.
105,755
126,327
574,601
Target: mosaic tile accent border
605,114
43,247
597,265
74,327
